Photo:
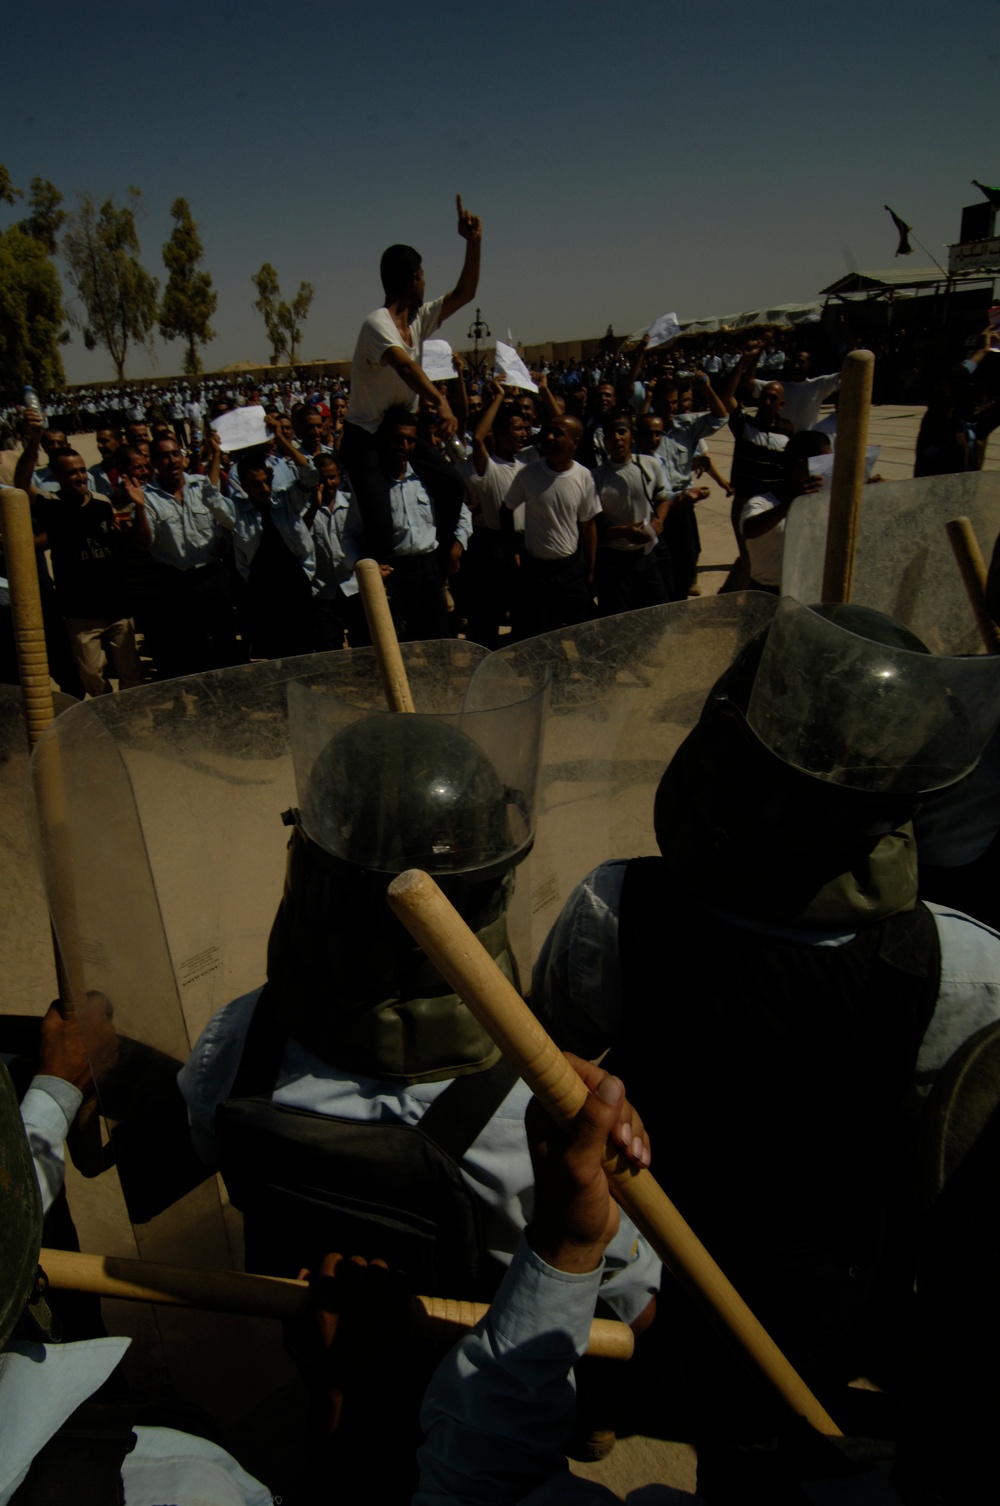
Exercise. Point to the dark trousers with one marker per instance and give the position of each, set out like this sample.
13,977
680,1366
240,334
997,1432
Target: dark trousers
627,579
191,625
371,486
558,592
486,570
680,537
416,593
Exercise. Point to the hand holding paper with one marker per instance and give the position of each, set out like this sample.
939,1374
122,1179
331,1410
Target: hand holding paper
513,369
435,359
241,428
663,330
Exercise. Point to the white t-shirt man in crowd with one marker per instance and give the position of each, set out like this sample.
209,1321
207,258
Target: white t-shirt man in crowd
386,372
560,528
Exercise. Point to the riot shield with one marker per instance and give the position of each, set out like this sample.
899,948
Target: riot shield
904,565
624,692
156,817
29,977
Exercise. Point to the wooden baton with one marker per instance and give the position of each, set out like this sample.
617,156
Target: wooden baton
847,482
973,567
39,712
268,1296
391,670
464,962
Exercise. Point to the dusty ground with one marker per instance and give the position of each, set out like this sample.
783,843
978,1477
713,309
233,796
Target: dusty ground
235,1368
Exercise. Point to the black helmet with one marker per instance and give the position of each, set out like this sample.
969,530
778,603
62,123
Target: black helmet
399,791
846,695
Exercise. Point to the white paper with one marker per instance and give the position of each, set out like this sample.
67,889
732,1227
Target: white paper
652,537
241,428
435,358
512,369
822,465
663,330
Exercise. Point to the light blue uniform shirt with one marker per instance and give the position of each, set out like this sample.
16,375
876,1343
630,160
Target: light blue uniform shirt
496,1166
332,570
187,535
413,528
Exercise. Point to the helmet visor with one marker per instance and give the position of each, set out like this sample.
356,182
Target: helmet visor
869,715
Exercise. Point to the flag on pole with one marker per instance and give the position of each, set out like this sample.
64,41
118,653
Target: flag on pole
904,248
993,194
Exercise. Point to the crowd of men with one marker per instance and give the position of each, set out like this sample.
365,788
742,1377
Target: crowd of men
541,508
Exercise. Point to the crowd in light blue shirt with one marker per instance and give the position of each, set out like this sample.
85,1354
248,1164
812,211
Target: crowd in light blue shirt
413,527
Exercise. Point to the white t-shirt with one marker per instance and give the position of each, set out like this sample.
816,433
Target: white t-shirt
803,400
491,488
555,503
629,493
764,552
376,387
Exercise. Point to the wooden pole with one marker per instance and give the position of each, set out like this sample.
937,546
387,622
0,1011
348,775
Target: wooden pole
973,568
267,1296
475,977
39,712
391,670
847,483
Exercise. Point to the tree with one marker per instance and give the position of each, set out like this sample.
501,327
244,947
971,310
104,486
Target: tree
101,248
31,310
46,218
31,316
8,193
283,321
189,298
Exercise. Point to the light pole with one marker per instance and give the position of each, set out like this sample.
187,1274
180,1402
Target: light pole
478,330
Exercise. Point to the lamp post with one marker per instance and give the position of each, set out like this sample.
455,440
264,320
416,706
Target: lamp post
479,330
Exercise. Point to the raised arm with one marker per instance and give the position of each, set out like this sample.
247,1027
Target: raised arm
716,406
471,230
419,382
741,373
460,407
638,358
554,406
28,459
480,454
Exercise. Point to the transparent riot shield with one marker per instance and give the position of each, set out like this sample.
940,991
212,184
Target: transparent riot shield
156,818
29,976
624,693
904,564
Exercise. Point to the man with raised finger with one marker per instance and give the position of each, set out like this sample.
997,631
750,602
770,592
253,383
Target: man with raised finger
386,372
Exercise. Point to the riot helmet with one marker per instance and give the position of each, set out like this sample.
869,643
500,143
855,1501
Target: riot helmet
404,791
791,798
378,793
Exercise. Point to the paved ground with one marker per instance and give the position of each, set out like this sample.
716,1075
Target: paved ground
237,1368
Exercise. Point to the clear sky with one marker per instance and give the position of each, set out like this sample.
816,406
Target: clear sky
626,159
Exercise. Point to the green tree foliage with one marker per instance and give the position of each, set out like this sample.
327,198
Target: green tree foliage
101,248
46,218
31,310
8,193
189,298
31,315
283,321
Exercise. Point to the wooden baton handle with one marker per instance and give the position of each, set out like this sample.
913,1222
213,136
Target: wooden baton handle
460,958
973,567
847,482
39,712
391,670
268,1296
